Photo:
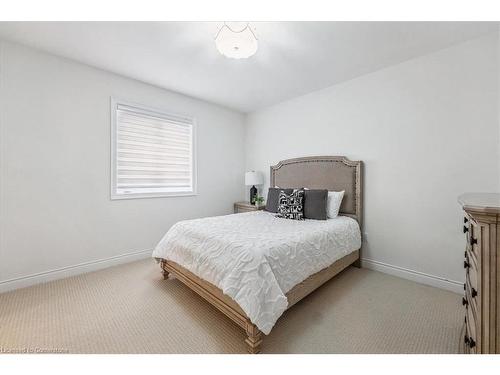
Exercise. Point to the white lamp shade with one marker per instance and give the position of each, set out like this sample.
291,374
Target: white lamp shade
253,178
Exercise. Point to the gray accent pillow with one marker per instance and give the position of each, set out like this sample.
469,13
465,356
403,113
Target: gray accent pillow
315,202
272,198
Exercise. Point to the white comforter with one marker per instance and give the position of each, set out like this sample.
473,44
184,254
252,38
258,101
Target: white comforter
256,258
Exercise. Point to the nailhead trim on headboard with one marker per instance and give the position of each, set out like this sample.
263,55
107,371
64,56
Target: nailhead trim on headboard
357,165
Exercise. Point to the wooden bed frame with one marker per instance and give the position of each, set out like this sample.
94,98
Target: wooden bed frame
334,173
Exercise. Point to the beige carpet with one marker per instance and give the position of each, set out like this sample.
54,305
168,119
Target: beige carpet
131,309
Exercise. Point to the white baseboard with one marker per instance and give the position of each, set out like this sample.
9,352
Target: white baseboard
60,273
417,276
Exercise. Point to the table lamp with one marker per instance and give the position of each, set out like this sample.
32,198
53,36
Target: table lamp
253,178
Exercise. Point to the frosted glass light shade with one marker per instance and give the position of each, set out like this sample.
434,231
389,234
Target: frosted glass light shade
236,41
253,178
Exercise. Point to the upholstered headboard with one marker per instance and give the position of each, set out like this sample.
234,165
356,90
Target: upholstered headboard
334,173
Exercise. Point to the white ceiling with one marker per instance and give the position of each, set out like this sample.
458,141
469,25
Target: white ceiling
294,58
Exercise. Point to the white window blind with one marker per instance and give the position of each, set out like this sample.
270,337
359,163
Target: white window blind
153,153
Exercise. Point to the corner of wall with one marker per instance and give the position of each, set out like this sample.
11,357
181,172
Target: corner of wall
245,138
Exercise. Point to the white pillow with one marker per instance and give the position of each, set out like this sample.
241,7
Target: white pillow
333,203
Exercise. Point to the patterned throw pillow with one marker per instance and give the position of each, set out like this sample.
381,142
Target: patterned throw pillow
290,206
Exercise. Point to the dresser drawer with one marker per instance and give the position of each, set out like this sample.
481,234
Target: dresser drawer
467,342
240,210
470,339
471,292
472,297
241,207
472,303
467,227
471,272
474,242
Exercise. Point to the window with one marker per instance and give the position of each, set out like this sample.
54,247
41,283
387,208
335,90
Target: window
152,153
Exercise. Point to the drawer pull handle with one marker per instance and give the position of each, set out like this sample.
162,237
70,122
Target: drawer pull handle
464,286
473,292
473,241
465,220
466,229
465,302
466,264
472,343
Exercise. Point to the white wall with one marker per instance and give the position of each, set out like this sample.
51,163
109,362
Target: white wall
426,129
419,127
55,207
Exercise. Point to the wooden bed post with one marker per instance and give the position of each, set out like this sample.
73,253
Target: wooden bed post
254,338
164,270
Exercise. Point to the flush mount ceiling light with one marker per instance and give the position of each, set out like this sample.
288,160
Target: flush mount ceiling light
236,40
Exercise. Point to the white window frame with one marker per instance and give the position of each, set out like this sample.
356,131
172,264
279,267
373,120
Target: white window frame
151,111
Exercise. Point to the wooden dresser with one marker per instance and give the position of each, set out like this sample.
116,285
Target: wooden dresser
482,266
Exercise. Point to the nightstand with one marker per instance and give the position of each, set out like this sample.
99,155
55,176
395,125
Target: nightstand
240,207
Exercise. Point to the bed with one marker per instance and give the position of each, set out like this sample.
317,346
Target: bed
253,266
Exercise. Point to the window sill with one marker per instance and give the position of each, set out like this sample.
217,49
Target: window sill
153,195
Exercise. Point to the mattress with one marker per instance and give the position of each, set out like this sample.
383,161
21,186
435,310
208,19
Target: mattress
256,258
